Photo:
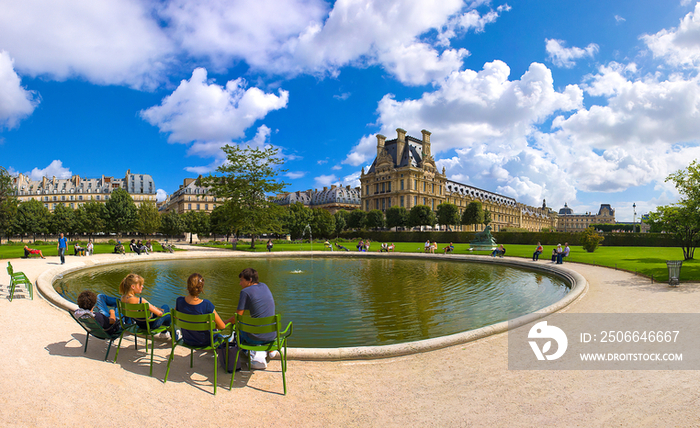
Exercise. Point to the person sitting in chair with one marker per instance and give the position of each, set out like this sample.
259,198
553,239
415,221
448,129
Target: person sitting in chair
384,248
449,249
86,303
90,248
134,248
340,247
141,247
192,304
119,248
29,251
500,251
391,247
78,250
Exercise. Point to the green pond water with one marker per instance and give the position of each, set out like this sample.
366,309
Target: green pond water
339,302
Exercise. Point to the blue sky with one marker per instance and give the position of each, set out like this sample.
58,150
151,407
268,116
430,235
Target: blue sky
578,102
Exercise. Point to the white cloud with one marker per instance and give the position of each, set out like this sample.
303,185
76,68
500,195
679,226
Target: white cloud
161,195
325,180
678,46
207,149
322,161
353,180
468,21
199,110
562,56
55,169
105,42
337,168
307,37
342,97
295,174
16,103
475,108
618,19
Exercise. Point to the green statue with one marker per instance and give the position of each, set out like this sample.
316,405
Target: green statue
483,240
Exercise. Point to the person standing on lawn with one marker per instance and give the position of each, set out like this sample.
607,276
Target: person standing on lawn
61,247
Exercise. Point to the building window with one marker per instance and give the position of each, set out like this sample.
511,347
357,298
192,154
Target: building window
383,204
55,198
206,207
415,184
63,198
425,201
401,200
376,203
98,197
424,186
433,188
189,206
383,188
197,207
401,184
388,186
367,205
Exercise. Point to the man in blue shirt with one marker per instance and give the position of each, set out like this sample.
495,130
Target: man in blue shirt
255,297
61,247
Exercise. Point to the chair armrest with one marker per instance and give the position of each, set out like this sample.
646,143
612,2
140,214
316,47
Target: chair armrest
287,331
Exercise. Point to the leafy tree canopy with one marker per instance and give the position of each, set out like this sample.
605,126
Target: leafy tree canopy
421,215
396,217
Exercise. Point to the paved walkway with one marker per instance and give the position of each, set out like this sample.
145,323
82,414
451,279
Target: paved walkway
49,381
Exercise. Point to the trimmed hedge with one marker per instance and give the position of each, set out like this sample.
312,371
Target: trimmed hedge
546,238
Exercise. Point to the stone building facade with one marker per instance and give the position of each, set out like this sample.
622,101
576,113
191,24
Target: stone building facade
75,191
570,222
191,196
404,174
331,199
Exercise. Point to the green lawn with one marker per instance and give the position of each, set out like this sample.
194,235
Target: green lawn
16,250
646,261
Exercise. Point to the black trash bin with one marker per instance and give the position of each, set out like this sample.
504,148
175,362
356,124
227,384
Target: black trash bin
674,271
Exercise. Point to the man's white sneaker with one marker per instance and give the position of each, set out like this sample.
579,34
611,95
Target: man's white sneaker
272,355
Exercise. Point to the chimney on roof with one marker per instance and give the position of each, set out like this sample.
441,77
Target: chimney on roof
380,144
400,145
332,186
325,188
426,142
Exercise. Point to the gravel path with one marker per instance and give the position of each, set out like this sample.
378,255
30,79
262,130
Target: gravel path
49,381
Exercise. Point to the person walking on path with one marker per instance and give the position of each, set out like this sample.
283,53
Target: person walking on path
61,247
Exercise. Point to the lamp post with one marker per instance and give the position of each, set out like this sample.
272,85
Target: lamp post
634,217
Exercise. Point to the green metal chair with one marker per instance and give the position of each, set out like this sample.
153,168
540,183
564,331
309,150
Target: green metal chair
138,311
92,327
259,326
203,322
18,278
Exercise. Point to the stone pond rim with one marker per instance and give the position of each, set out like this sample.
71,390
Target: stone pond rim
576,281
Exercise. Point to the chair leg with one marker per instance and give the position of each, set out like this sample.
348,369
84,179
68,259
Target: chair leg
109,346
150,373
216,370
119,346
12,288
170,360
235,364
191,358
87,336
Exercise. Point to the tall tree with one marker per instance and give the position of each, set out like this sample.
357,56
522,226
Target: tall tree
421,215
487,217
296,217
32,218
221,223
473,214
356,219
341,221
682,218
149,218
323,223
375,219
249,177
448,214
197,223
121,214
172,224
93,217
396,217
8,203
61,220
